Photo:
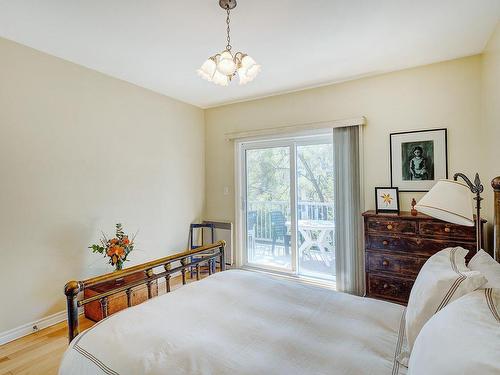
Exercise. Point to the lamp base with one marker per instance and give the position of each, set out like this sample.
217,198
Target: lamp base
227,4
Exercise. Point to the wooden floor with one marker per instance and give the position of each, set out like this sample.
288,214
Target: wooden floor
40,353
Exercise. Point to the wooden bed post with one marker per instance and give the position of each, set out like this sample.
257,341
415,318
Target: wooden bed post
71,290
184,262
167,268
496,219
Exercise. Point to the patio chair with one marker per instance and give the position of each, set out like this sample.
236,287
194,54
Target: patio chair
279,230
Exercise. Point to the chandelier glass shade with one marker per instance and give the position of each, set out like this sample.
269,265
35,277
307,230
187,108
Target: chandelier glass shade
223,67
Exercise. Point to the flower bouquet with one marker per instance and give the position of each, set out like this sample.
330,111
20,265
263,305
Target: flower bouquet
117,248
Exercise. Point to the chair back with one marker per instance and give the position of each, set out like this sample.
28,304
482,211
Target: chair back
278,224
201,228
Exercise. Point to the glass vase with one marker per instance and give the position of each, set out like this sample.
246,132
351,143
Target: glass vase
119,265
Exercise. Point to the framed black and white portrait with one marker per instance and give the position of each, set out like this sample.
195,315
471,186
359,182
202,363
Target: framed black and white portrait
418,159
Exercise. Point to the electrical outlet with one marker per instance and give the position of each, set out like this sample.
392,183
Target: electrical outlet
226,190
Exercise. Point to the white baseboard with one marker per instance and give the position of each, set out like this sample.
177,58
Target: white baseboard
26,329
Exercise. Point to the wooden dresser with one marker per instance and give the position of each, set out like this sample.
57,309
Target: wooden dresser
397,246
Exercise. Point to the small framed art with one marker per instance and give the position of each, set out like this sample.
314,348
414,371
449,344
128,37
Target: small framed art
387,200
418,159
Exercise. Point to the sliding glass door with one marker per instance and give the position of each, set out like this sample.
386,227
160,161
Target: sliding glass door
315,226
268,208
288,206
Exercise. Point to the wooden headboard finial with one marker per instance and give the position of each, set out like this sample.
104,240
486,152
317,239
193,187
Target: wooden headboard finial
495,183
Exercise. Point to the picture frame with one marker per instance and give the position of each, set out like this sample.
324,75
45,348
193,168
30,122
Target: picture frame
386,200
418,159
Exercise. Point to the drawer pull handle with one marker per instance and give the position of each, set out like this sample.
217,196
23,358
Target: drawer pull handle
447,230
389,226
385,243
385,263
385,286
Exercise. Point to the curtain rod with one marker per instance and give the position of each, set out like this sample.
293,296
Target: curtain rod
355,121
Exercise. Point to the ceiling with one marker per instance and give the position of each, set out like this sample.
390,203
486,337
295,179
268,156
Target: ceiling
158,44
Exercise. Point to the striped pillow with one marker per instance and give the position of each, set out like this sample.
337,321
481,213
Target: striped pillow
442,279
463,338
485,264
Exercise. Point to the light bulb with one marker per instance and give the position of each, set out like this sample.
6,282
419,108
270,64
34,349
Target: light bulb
207,70
226,64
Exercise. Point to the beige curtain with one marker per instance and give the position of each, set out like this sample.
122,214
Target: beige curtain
349,252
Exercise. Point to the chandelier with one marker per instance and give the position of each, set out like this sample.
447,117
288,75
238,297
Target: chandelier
223,67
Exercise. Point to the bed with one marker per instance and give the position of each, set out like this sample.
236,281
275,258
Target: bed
242,322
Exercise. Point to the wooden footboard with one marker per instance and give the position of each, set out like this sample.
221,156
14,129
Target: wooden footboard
185,261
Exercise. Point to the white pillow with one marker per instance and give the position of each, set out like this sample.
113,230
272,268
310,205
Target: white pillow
485,264
442,279
463,338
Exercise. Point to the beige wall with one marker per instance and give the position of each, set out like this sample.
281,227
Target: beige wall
80,151
434,96
490,100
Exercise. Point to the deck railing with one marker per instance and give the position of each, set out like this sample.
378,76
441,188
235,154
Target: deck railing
305,211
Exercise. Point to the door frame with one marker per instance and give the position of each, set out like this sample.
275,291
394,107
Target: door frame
240,148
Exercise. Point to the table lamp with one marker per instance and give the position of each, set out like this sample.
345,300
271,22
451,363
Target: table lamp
450,201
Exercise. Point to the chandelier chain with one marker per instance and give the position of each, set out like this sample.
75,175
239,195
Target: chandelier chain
228,46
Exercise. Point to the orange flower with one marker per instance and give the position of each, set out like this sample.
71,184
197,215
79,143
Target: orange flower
114,241
116,250
125,240
120,251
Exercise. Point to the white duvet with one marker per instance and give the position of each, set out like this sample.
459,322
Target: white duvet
241,322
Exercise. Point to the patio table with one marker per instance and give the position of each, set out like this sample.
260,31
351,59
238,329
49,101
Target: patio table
322,227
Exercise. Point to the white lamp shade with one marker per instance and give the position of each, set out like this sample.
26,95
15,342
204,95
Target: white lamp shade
226,64
207,70
243,77
220,79
450,201
247,61
248,70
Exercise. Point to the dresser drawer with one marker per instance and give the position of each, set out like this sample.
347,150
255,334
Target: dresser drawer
397,246
399,264
391,226
392,288
416,245
430,228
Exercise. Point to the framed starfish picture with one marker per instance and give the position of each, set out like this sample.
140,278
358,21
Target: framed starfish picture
387,200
